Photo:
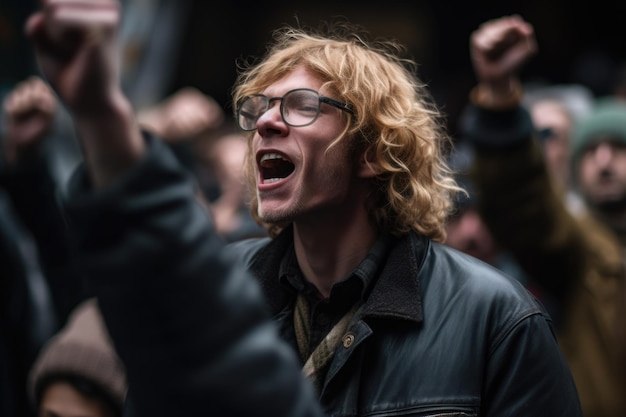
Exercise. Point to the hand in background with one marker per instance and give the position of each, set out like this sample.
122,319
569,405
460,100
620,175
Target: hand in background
77,52
498,49
29,111
76,49
184,115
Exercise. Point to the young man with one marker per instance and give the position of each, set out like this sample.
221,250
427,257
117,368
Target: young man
346,159
575,259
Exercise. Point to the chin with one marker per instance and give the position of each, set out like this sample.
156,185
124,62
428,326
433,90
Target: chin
275,216
610,203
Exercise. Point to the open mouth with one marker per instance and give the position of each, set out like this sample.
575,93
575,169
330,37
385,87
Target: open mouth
274,167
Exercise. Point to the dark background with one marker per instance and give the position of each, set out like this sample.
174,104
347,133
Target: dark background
578,43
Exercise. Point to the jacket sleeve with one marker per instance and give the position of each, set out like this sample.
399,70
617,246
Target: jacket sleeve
34,193
519,203
189,323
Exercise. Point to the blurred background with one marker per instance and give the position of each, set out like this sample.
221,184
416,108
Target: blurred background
168,44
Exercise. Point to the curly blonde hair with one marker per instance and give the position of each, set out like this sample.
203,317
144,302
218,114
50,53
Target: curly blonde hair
396,127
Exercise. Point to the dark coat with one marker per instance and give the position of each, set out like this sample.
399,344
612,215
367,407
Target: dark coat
441,333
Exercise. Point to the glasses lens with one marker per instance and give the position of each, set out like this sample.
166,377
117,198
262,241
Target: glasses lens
300,107
250,110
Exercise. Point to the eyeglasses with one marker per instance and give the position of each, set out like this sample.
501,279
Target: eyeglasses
299,107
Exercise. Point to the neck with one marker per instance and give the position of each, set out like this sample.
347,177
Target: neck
329,248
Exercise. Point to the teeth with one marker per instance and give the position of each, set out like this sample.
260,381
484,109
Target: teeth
274,167
271,155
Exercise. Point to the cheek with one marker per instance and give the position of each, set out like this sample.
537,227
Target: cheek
585,168
454,232
332,175
620,164
329,176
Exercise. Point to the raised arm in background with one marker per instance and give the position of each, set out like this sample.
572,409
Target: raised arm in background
576,260
190,326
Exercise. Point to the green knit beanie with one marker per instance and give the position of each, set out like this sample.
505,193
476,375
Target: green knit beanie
607,118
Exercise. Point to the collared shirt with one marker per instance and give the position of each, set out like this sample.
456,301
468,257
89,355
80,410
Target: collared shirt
325,313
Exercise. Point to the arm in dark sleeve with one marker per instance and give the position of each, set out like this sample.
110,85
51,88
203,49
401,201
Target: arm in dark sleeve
189,323
34,194
518,201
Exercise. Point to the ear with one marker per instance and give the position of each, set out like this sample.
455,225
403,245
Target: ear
366,167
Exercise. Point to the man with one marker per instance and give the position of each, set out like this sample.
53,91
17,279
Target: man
346,156
553,117
599,155
576,259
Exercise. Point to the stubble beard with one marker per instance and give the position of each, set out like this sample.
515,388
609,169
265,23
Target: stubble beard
278,216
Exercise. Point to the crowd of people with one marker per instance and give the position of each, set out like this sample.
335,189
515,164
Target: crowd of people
573,254
329,249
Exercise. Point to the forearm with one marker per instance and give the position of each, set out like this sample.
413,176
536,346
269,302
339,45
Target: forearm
111,140
520,204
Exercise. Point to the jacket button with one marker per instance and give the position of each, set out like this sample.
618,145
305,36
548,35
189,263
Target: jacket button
348,340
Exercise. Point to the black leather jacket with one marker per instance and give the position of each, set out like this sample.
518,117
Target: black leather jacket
441,333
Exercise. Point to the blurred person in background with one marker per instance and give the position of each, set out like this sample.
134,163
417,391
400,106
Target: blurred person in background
38,283
224,157
599,161
574,256
466,230
554,110
194,127
29,112
78,373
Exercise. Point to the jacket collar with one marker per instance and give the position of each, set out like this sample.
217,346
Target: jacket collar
394,295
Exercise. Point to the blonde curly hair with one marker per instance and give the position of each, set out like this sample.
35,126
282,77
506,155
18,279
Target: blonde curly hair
396,127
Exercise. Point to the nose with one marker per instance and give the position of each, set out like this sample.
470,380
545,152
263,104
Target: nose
472,223
603,154
271,119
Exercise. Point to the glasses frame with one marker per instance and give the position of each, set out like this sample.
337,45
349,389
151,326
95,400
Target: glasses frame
269,100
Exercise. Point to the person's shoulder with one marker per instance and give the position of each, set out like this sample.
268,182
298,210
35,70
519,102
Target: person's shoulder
476,281
453,281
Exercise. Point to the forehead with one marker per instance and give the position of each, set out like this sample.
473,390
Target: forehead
300,77
550,113
608,139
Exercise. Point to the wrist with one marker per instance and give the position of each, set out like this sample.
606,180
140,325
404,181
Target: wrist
497,97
